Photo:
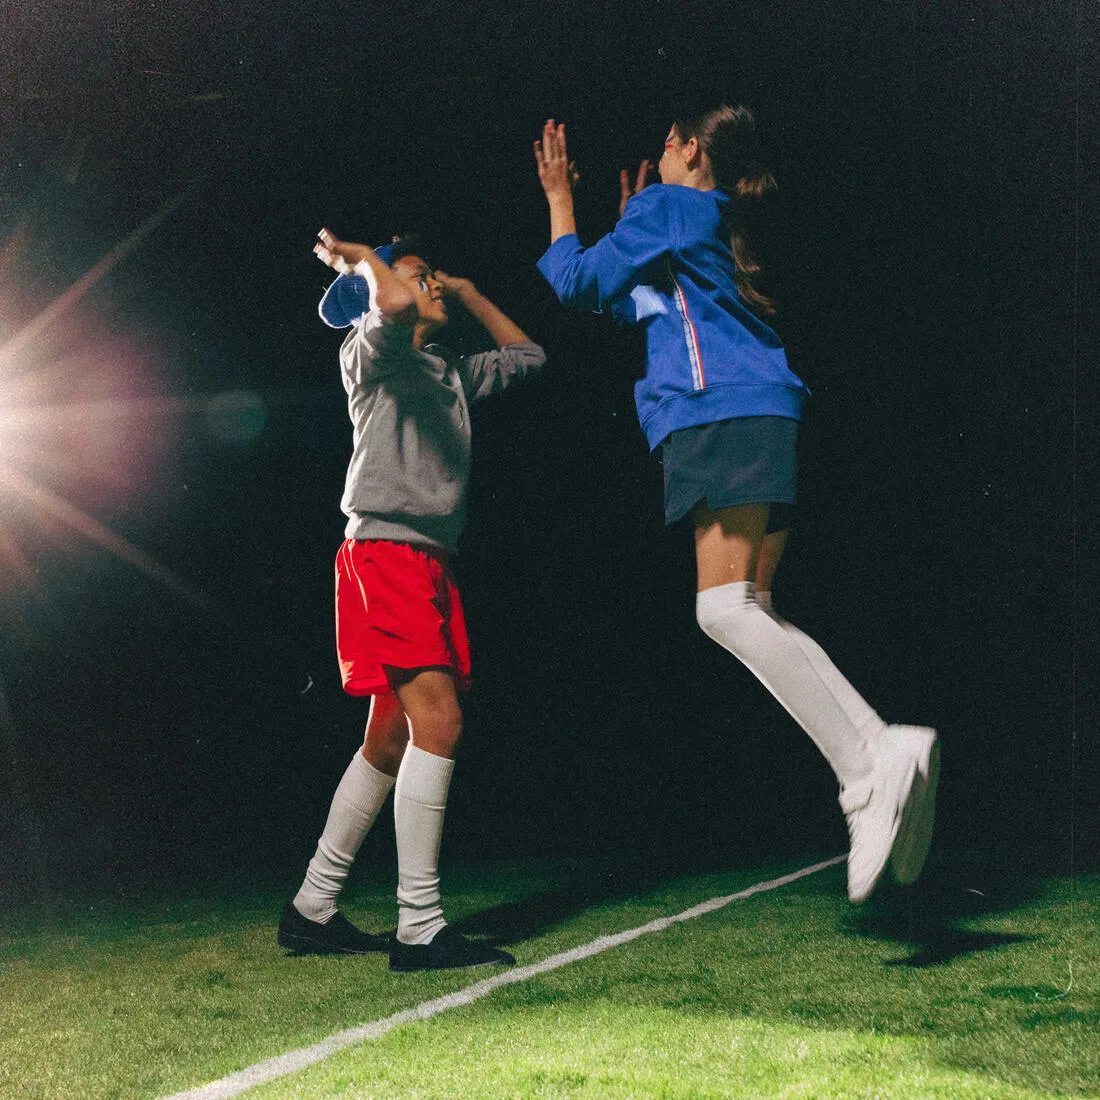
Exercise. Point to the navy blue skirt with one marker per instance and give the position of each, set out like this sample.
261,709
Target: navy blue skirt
747,460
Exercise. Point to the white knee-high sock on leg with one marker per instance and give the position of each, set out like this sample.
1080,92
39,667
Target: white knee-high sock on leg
419,805
730,615
861,714
358,798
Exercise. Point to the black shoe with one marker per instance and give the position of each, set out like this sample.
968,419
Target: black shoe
337,936
449,950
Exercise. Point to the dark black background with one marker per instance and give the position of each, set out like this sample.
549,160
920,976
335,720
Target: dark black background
940,286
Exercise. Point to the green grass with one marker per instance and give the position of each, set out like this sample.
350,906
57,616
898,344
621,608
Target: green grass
935,992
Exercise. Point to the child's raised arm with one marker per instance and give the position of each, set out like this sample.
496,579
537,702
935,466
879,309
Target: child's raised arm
389,294
500,327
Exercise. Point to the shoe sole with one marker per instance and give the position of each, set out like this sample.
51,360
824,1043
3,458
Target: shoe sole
914,837
307,945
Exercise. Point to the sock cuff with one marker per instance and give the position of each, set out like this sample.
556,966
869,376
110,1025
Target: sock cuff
725,597
425,777
370,773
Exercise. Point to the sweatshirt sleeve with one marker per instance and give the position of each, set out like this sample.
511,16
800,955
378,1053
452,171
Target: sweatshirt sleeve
489,372
375,347
593,278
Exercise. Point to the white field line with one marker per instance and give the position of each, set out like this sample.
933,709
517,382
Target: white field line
272,1068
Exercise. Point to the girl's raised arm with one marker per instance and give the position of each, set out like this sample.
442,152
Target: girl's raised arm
557,174
626,192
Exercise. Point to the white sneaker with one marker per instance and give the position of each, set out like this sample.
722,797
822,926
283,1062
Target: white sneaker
874,807
915,833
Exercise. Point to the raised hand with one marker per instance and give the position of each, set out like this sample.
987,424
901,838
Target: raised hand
453,286
626,191
557,173
340,255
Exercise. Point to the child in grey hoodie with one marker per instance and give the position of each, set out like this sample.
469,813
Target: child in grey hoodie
401,635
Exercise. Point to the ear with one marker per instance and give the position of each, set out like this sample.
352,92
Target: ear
692,152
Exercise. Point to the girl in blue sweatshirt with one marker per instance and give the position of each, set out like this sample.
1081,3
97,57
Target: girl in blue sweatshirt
720,400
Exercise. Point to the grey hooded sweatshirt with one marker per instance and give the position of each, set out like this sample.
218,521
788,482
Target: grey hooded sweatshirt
411,429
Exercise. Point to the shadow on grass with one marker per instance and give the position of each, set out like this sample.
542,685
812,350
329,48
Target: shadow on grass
598,882
933,915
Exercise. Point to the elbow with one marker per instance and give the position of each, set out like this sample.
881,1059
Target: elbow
574,295
566,292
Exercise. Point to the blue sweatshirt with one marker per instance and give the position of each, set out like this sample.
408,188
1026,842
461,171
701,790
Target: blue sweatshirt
667,266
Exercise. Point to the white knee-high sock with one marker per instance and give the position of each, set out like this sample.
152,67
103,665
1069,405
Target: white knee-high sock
358,798
419,805
861,714
730,615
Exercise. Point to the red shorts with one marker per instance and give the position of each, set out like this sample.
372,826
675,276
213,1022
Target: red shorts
396,607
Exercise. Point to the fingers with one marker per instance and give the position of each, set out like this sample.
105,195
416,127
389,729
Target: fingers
333,259
641,181
323,250
553,140
557,173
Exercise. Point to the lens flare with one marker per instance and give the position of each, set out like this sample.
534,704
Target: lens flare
79,420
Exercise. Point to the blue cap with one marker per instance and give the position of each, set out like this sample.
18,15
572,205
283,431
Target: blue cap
348,296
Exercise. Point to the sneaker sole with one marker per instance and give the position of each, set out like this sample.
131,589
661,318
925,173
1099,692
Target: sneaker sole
307,945
915,832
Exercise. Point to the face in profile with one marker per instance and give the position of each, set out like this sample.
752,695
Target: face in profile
426,288
671,167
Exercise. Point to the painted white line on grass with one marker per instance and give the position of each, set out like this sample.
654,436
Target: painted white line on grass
272,1068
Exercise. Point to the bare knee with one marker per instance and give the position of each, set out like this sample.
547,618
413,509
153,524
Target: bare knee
440,738
430,700
726,615
438,732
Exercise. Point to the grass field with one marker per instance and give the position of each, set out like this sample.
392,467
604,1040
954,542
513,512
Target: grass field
962,987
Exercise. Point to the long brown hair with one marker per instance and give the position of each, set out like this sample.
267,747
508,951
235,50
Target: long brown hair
728,137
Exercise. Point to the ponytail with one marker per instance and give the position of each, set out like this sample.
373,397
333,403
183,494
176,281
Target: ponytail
728,137
755,184
747,194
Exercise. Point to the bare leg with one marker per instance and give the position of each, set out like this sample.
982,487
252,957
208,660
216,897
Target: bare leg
387,734
424,941
361,793
730,554
728,542
862,715
877,780
771,553
429,697
430,700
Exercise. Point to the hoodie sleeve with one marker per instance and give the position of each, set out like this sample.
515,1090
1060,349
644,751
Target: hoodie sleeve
375,347
593,278
489,372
